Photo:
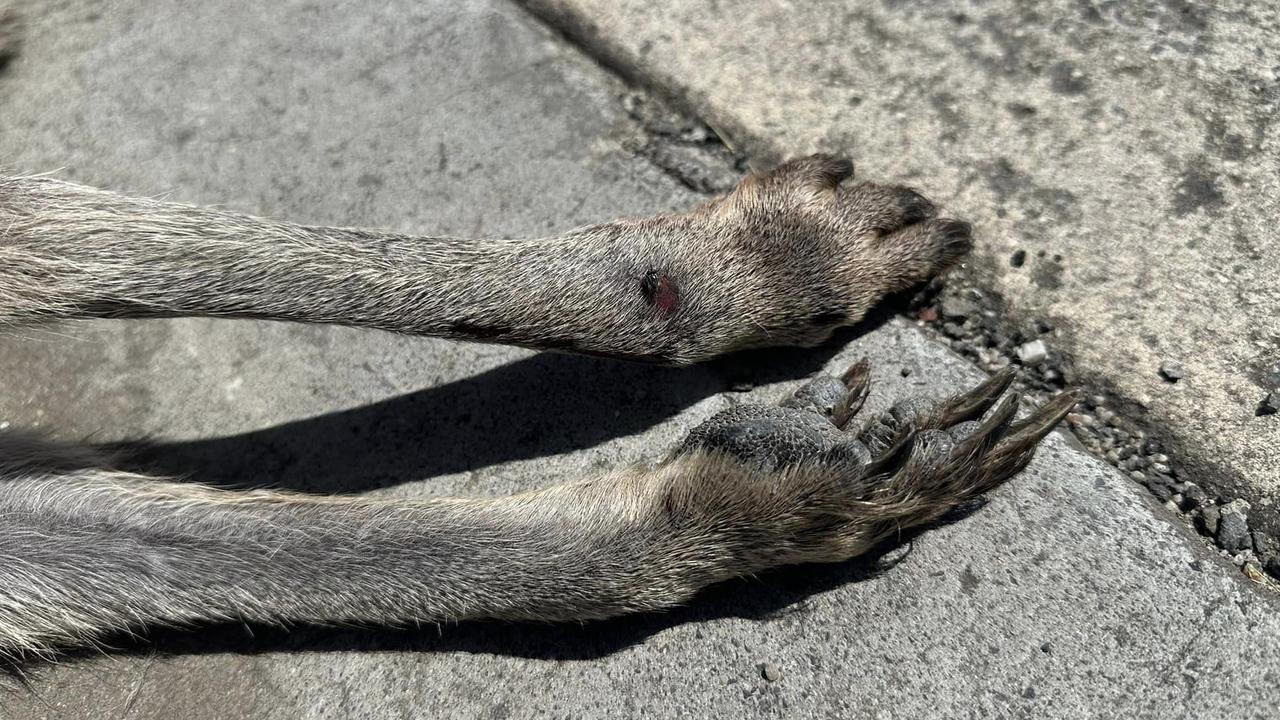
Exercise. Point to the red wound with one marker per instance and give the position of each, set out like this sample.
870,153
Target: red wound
661,292
666,299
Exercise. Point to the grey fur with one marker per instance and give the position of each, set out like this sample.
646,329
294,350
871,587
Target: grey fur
87,550
783,260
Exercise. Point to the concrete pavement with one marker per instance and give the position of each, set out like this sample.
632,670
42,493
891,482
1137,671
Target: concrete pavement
1069,595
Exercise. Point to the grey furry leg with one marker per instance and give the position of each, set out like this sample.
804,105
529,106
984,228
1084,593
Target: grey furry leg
86,551
784,259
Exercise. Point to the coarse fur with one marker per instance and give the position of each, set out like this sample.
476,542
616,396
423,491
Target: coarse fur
87,550
783,260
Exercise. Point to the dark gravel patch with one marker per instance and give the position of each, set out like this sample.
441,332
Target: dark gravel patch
975,324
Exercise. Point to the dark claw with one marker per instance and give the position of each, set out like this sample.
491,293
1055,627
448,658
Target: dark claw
991,429
970,405
858,373
858,380
1018,446
1035,426
915,207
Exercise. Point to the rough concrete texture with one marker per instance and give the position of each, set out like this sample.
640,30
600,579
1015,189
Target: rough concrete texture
1069,595
1129,147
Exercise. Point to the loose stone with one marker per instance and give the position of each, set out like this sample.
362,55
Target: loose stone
1172,371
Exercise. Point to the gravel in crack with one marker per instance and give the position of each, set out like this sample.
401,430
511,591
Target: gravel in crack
684,148
975,324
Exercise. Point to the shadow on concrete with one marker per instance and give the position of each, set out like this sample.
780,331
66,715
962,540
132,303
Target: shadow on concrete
434,431
543,405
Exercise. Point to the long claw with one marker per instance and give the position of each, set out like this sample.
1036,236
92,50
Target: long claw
1035,426
858,380
1018,446
858,373
970,405
991,429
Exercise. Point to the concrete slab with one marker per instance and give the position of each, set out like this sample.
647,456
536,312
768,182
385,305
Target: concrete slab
1067,596
1129,148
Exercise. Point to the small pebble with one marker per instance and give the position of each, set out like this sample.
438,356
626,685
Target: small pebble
1195,496
954,308
905,372
1233,526
1263,546
1018,258
1033,352
1208,520
1172,371
1080,419
770,672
